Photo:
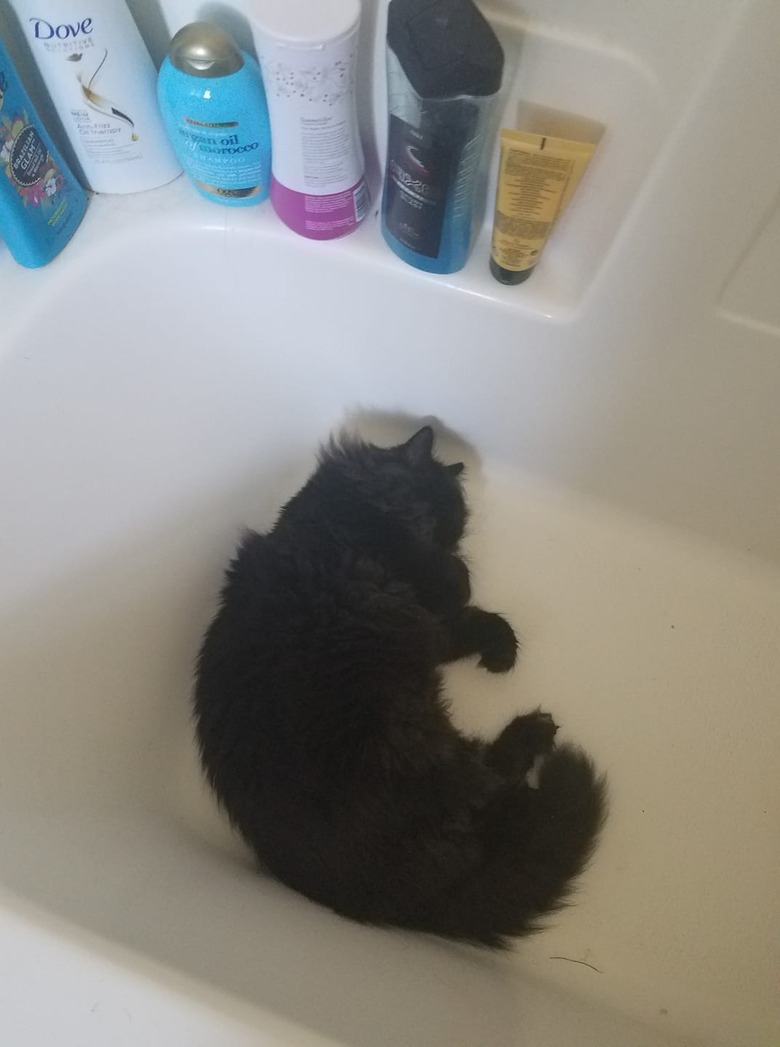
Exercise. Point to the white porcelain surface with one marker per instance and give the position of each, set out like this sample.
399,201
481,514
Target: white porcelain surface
166,380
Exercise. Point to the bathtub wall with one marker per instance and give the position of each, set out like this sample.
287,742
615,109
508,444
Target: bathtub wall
645,351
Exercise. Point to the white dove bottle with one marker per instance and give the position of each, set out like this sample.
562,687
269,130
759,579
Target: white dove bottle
103,84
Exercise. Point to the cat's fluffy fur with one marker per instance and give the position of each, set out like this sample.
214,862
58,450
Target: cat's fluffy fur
324,733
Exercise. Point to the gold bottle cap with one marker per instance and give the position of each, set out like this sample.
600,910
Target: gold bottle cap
203,49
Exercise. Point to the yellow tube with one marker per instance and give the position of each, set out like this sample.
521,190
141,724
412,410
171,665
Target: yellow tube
537,177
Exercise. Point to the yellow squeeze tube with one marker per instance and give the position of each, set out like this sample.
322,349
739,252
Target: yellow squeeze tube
537,177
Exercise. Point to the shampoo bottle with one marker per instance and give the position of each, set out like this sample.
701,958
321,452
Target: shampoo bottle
103,83
307,53
213,105
444,68
41,203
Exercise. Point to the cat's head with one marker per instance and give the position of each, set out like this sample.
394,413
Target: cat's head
410,483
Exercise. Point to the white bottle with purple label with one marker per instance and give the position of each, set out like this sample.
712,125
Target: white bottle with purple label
307,53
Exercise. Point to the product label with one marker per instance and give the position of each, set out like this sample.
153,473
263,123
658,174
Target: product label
336,211
530,192
310,91
416,182
28,157
74,30
361,201
321,216
105,128
325,147
219,159
28,165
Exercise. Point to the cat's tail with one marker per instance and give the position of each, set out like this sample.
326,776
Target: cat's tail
545,842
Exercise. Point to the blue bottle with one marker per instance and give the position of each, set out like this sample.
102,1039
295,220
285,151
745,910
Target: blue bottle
214,109
41,203
444,68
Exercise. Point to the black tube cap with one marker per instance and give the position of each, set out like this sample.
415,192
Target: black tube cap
508,276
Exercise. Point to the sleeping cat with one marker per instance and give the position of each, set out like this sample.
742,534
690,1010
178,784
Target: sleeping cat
324,732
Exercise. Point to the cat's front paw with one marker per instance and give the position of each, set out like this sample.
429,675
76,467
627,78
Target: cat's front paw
498,644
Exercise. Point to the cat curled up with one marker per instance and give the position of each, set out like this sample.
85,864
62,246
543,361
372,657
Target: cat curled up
324,732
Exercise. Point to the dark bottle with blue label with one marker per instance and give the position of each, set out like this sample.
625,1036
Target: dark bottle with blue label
215,111
41,203
444,68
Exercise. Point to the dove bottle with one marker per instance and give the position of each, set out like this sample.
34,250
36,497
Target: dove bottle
103,84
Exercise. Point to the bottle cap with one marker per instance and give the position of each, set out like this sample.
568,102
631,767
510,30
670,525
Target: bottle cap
202,49
446,47
303,24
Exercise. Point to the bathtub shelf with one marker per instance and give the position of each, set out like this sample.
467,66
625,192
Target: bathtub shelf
610,87
177,205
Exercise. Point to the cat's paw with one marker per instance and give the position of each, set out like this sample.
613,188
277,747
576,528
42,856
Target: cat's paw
498,646
535,732
522,742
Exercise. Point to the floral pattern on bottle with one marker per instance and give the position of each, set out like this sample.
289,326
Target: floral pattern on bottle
27,163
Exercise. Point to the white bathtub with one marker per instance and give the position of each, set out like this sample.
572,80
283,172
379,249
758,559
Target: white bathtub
166,381
156,397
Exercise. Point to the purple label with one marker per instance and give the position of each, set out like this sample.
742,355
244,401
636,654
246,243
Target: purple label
321,217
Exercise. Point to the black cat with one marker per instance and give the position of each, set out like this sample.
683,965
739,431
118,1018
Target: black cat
324,733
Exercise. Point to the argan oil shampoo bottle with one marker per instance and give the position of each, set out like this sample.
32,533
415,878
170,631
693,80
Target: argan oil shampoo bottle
213,104
103,83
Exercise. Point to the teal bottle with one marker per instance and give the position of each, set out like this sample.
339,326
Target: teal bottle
214,109
41,203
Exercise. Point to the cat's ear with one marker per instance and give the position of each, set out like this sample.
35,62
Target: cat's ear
419,448
455,469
